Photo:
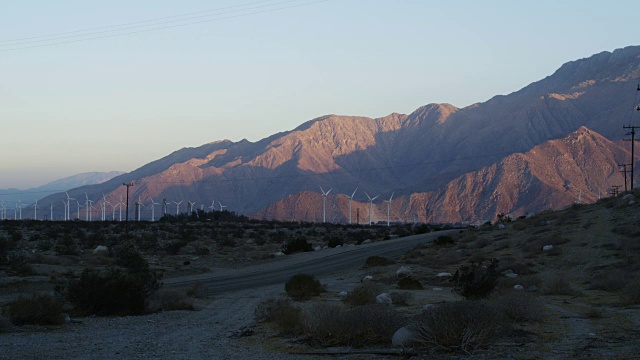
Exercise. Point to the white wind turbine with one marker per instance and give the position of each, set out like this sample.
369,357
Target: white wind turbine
79,206
370,205
139,205
35,211
65,209
15,212
113,211
389,208
19,209
104,207
164,206
178,206
324,204
221,206
351,198
153,209
51,213
120,208
88,209
191,206
213,205
69,206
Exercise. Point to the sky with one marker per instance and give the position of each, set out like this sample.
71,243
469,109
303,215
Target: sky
113,85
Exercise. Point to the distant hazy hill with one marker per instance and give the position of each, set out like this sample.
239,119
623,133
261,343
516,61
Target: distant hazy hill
429,158
29,196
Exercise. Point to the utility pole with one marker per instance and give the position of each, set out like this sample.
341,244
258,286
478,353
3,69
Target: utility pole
614,190
633,146
624,171
126,221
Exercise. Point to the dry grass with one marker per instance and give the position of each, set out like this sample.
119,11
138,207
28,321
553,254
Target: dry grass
519,306
283,314
38,309
170,300
364,294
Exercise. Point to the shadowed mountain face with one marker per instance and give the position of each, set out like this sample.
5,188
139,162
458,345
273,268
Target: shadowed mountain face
425,157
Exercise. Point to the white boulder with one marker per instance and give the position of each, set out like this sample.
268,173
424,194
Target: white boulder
403,337
343,294
547,247
367,278
279,253
511,275
101,250
518,287
384,298
444,274
404,271
317,248
368,241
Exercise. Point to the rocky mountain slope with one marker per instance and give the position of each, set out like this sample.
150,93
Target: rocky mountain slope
419,156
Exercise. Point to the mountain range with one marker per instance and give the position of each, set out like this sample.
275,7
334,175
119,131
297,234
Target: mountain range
544,146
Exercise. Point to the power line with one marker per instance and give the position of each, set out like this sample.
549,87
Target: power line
162,27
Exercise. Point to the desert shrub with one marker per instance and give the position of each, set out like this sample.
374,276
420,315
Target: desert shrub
18,263
172,247
364,294
464,326
519,306
334,325
335,241
303,286
594,313
129,258
631,293
401,298
558,285
609,281
407,283
444,240
476,280
67,246
5,325
44,245
282,313
113,292
377,261
38,309
299,244
170,300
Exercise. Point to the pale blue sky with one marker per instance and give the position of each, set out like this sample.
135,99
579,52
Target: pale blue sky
118,103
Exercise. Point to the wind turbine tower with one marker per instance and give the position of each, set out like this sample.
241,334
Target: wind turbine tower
191,206
139,206
178,206
370,204
51,214
324,204
153,209
221,206
351,198
35,211
389,208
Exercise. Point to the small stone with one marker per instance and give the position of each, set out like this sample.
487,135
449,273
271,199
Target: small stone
511,275
367,278
403,337
444,274
547,247
384,298
518,287
437,289
343,294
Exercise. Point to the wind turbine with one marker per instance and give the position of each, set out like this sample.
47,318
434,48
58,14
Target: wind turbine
35,211
370,205
69,206
19,209
221,206
178,206
15,212
113,211
104,207
351,198
164,206
213,205
324,204
120,208
191,206
139,205
153,209
51,214
79,206
389,207
88,209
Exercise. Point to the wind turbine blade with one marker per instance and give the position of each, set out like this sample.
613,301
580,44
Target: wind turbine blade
329,191
367,195
322,190
391,196
354,193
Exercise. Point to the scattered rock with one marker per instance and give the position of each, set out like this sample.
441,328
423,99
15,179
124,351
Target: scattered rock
403,337
279,253
367,278
547,247
101,250
428,307
343,294
501,226
403,271
628,197
532,288
511,275
384,298
317,248
444,274
518,287
368,241
437,289
247,331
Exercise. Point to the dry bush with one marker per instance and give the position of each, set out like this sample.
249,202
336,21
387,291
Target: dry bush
364,294
614,280
519,225
303,286
170,300
526,281
334,325
519,306
631,293
464,326
282,313
476,280
401,298
558,285
39,309
408,283
378,261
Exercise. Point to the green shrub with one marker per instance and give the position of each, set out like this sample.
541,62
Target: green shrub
113,292
377,261
335,241
407,283
297,245
129,258
303,286
67,246
464,326
39,309
364,294
476,280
